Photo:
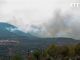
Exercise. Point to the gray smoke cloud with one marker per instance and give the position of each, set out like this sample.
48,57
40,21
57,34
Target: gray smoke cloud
31,16
63,25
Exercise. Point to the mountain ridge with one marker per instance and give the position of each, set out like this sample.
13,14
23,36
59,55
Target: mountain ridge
28,40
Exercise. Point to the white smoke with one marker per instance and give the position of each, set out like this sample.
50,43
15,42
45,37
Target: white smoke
26,14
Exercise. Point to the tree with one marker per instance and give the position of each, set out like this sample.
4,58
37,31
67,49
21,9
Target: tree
71,52
37,54
63,52
77,51
17,57
52,51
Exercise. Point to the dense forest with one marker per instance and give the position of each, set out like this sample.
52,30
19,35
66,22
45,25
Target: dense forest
52,52
55,52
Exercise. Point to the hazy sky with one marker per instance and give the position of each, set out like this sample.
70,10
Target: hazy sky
51,17
32,10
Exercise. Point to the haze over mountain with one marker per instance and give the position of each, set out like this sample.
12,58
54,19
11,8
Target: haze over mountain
8,31
54,18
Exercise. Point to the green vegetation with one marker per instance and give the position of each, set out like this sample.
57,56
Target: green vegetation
55,52
52,52
17,57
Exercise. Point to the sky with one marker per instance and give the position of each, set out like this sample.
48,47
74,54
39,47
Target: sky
44,18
